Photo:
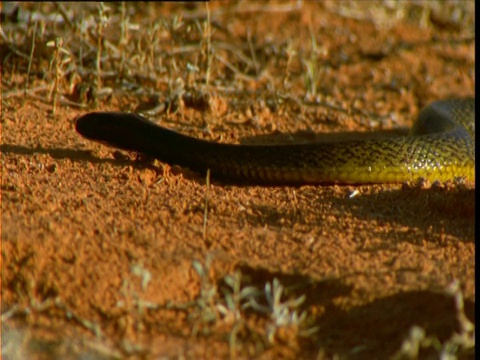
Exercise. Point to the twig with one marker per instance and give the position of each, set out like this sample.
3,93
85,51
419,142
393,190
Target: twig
15,93
30,59
57,44
100,27
252,51
61,9
205,213
208,31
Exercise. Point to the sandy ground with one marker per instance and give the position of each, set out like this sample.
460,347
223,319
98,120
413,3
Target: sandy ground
108,256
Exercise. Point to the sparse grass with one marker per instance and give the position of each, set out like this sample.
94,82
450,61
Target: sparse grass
233,304
21,343
283,315
459,344
229,306
108,50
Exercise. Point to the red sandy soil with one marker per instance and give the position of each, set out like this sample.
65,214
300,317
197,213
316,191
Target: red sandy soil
81,224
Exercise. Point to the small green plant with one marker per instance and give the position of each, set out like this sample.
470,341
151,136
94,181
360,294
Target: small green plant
283,315
459,343
204,306
227,304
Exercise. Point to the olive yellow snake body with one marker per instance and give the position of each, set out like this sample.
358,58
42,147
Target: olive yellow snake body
441,146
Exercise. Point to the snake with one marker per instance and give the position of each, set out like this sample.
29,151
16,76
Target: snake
439,147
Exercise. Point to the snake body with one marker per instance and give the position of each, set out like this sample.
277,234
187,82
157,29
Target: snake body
441,146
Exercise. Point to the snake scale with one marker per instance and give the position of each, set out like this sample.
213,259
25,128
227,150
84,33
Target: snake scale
440,146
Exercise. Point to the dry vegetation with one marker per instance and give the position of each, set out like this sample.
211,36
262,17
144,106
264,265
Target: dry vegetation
228,73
